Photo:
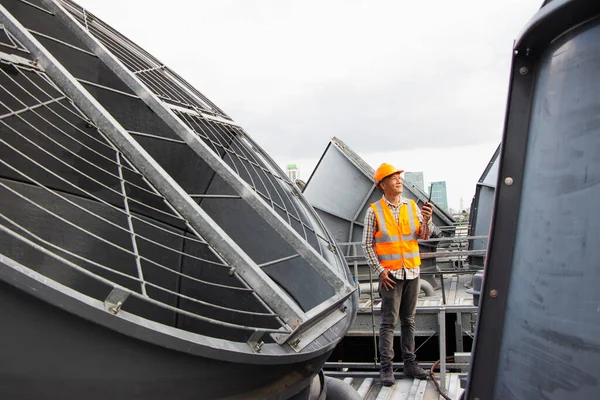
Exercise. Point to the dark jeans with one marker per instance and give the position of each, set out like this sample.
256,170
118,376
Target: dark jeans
398,303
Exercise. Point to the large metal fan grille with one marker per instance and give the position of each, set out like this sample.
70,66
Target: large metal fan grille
81,205
75,199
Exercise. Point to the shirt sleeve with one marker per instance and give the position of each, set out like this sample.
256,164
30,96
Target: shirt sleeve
427,229
368,242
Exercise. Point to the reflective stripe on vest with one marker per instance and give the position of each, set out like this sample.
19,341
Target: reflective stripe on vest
392,252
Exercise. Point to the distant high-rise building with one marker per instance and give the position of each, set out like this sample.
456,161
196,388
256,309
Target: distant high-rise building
439,195
293,172
416,178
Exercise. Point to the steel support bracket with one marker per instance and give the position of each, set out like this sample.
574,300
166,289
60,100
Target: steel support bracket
115,300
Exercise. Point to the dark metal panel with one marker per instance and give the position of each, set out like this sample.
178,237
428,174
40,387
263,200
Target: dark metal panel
480,221
538,329
554,19
65,236
263,245
551,335
39,14
338,227
59,355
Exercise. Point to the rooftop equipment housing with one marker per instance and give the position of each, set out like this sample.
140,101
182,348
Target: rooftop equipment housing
538,329
148,246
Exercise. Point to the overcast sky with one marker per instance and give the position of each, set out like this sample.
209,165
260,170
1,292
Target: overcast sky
419,84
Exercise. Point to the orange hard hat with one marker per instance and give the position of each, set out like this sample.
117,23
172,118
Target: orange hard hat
385,170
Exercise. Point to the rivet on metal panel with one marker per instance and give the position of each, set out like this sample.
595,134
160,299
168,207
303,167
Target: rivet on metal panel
493,293
523,70
508,181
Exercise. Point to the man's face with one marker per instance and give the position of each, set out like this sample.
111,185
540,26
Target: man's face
392,185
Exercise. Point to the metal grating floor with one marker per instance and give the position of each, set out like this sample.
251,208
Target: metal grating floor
369,387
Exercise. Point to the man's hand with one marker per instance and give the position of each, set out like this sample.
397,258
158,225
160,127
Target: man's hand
426,211
386,281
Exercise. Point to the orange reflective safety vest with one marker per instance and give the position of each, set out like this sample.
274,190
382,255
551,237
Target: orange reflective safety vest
396,243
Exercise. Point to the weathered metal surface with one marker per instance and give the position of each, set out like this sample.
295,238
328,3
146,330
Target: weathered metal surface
538,329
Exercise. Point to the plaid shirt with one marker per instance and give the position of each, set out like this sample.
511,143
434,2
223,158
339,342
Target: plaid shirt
369,241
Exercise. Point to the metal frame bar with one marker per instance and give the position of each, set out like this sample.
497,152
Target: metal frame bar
458,333
134,239
199,147
442,340
271,293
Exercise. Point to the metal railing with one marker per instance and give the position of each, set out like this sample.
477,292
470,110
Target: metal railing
353,259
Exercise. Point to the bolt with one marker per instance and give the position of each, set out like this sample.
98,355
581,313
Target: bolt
295,343
258,346
231,271
116,308
493,293
523,70
508,181
344,308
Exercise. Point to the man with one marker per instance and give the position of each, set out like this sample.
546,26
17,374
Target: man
392,227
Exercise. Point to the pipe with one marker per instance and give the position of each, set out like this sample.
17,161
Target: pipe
423,284
340,390
426,287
